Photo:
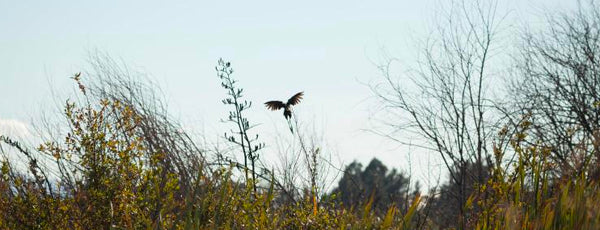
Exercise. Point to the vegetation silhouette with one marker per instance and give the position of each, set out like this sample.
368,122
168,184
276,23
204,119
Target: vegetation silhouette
119,160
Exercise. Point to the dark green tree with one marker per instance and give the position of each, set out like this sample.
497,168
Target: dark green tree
444,203
377,182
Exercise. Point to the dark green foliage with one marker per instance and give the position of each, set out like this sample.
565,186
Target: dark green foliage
385,188
444,212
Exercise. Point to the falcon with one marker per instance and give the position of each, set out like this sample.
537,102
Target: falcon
287,112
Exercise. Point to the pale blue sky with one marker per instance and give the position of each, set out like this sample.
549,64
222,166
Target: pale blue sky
277,48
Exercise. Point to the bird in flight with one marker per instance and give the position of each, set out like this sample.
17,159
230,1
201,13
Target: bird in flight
287,112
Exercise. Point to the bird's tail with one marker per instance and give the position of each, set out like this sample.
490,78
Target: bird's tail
290,125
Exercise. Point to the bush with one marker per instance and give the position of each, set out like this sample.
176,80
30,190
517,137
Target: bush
117,168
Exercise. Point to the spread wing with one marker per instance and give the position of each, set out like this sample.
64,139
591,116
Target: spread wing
274,105
295,99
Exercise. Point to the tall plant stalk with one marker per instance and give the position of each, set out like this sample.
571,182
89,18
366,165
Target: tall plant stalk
234,99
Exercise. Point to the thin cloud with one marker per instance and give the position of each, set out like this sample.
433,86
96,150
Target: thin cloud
14,128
